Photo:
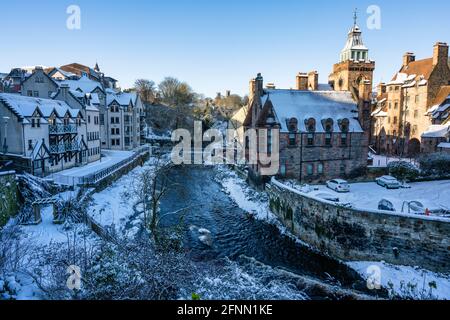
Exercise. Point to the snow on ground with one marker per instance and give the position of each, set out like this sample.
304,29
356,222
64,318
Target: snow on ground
407,282
110,158
246,198
368,195
39,236
45,232
380,161
115,205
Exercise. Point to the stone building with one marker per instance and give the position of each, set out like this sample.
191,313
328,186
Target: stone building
324,128
437,137
39,85
320,134
409,97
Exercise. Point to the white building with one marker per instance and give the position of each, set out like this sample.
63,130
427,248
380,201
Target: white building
42,136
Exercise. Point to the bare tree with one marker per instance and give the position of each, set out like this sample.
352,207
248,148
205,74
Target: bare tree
146,90
179,96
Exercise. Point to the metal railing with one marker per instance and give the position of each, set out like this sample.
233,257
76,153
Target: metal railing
62,129
97,177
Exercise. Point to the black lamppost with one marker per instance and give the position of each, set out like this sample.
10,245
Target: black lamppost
5,146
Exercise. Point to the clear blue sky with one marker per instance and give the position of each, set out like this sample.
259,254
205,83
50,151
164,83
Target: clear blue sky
215,45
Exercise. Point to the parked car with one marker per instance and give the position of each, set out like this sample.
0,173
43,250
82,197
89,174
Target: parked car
388,182
327,196
338,185
386,205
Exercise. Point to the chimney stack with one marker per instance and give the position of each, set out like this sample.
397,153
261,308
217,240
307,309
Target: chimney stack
313,81
302,81
259,85
408,58
440,53
64,89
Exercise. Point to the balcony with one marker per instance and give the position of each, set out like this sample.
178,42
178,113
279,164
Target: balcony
64,147
57,129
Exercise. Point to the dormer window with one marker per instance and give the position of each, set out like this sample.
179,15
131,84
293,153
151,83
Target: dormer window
311,125
293,125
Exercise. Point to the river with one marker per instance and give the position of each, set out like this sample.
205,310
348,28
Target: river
236,234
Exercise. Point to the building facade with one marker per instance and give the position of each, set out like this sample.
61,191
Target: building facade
408,99
42,135
320,135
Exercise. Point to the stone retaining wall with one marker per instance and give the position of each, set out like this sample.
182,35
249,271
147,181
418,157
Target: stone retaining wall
362,235
9,201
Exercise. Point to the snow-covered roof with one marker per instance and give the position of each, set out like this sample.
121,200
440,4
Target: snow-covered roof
26,106
379,113
320,105
444,145
437,131
122,98
83,84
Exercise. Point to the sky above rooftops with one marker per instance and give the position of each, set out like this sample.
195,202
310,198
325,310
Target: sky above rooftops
216,45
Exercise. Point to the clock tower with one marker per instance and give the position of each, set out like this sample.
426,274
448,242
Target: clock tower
354,67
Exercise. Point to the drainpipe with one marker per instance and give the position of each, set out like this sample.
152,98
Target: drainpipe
301,156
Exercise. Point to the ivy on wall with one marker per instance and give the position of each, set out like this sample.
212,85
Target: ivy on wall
8,198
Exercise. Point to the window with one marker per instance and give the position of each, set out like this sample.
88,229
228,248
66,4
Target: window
344,139
269,141
396,106
102,119
292,139
395,120
36,93
30,93
117,131
310,139
328,139
30,144
113,142
117,142
113,131
320,168
117,120
89,119
310,169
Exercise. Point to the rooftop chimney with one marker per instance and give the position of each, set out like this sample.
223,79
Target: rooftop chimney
408,58
302,81
259,83
313,81
64,88
440,53
381,88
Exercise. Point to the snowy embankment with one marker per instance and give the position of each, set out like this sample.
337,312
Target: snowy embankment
117,205
407,282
